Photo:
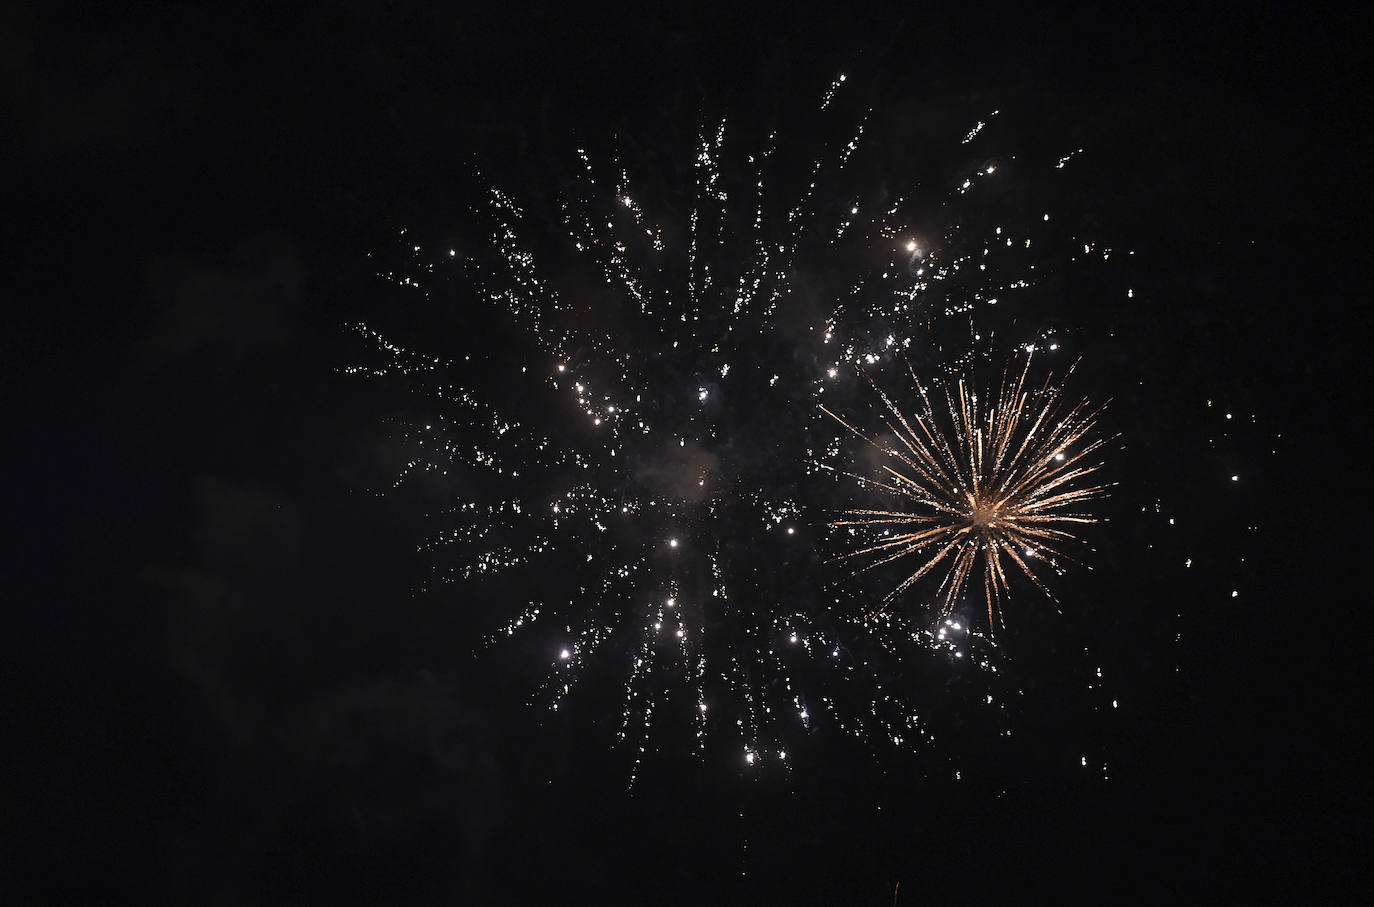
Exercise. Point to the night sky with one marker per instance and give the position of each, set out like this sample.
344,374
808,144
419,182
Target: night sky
226,685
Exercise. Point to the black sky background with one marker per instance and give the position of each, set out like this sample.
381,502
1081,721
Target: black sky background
221,688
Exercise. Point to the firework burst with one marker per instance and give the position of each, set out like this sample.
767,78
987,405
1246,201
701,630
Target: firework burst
628,469
986,487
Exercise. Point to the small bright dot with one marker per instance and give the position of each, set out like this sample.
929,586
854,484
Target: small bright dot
1235,478
1047,217
749,757
911,246
790,530
672,543
1235,593
565,655
831,373
671,602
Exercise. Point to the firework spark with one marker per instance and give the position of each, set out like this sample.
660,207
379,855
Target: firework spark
995,485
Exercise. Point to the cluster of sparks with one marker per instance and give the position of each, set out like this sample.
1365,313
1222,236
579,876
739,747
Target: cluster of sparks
997,485
640,484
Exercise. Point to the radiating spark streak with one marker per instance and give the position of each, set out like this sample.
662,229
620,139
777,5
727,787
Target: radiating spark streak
991,485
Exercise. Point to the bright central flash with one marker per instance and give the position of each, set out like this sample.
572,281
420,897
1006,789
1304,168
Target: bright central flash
982,516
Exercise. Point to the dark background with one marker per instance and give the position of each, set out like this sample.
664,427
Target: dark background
222,689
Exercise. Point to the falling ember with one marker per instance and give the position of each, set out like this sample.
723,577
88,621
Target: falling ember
984,489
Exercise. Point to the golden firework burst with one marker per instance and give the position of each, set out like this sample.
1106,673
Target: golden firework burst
995,485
